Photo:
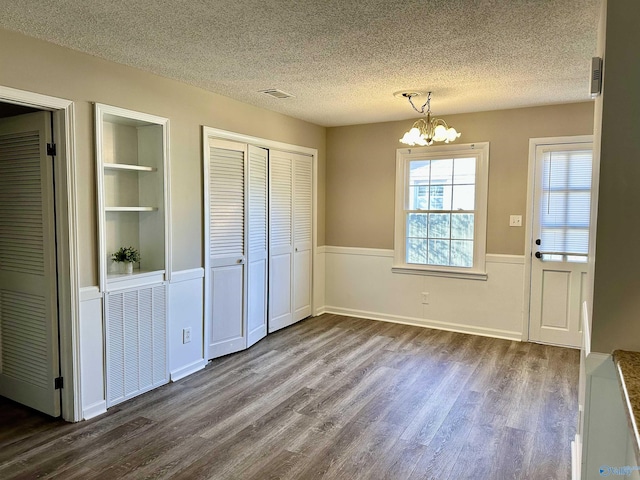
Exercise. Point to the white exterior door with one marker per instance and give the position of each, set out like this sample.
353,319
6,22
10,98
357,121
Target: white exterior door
560,230
29,361
257,259
280,240
226,305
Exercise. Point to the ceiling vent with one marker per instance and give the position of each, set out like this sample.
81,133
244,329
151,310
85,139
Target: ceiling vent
274,92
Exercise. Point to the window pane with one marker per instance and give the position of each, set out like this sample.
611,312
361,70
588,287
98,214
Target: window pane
439,225
464,197
464,171
416,251
418,197
565,204
419,172
440,197
462,253
442,171
462,225
417,225
438,252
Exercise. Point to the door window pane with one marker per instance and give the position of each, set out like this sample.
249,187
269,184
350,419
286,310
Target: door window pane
565,205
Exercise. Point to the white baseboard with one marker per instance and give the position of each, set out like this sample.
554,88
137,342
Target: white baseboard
187,370
94,410
420,322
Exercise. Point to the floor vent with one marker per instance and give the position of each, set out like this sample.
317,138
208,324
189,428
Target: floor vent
274,92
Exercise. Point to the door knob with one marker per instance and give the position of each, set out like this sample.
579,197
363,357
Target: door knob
538,255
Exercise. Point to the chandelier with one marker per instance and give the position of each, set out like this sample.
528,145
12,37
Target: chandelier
427,130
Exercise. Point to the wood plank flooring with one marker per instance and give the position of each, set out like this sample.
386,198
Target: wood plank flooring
330,397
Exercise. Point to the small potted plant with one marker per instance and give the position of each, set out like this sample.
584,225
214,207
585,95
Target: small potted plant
128,256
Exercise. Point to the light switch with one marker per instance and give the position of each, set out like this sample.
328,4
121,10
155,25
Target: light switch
515,220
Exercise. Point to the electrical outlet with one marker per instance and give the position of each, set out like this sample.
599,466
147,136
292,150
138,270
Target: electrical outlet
425,298
515,220
186,335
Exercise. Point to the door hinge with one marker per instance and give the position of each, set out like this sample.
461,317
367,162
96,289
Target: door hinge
57,383
51,149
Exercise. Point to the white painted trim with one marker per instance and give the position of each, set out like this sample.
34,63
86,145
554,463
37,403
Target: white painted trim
186,275
369,252
419,322
209,132
534,143
90,293
68,220
502,258
94,410
187,370
383,252
321,250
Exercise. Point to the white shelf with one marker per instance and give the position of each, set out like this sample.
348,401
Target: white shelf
126,166
130,209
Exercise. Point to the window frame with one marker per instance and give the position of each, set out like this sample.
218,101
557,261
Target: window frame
404,156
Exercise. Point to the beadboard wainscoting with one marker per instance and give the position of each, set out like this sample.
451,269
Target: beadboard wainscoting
360,283
186,299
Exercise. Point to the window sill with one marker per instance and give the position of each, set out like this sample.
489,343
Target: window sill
411,270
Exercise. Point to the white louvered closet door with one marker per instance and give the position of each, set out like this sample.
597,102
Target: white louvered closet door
28,293
280,240
302,225
226,264
257,259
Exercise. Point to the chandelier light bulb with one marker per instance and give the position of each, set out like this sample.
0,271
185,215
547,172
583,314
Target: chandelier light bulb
427,130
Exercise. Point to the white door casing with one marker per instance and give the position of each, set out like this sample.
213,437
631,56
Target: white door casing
227,224
559,235
29,356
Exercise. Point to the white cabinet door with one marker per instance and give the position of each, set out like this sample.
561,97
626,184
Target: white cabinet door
136,341
302,221
257,259
280,240
28,290
226,263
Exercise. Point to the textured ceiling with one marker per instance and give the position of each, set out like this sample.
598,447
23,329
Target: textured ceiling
341,59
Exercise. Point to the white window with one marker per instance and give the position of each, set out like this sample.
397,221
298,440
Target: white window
441,210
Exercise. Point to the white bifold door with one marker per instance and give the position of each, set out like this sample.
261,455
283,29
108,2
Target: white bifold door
29,361
290,235
237,252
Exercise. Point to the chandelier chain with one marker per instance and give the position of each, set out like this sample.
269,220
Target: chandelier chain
425,104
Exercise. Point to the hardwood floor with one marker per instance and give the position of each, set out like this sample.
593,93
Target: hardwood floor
330,397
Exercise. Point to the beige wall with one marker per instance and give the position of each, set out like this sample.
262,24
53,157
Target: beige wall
37,66
616,295
361,171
